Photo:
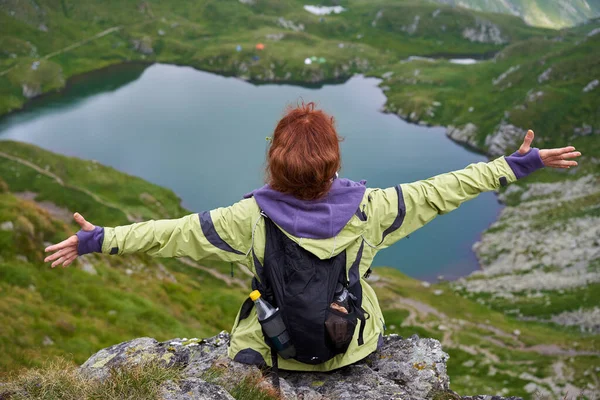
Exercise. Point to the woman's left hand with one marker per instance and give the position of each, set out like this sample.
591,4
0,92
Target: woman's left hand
555,158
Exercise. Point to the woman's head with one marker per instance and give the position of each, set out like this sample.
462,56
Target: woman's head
304,154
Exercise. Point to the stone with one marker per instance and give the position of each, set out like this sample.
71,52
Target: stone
7,226
87,266
287,24
505,139
193,389
503,75
484,31
143,45
411,368
47,341
31,90
466,134
544,76
591,86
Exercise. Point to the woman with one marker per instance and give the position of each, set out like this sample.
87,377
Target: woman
321,213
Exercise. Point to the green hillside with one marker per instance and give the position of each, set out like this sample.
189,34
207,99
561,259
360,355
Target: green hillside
69,38
546,13
504,326
102,300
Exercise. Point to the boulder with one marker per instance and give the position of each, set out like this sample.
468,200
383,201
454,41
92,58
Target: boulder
412,368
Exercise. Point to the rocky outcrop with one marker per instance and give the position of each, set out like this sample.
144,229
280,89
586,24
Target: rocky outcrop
506,138
143,45
31,90
484,31
412,368
466,134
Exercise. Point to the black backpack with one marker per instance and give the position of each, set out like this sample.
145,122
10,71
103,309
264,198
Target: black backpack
302,286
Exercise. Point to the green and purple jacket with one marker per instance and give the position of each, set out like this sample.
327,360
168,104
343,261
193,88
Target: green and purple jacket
351,217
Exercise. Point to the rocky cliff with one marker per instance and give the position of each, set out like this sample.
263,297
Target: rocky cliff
412,368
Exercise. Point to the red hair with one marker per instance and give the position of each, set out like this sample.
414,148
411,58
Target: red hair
304,154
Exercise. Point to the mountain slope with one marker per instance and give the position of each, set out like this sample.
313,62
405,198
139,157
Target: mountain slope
42,46
103,300
547,13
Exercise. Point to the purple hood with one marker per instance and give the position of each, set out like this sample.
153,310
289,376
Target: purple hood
313,219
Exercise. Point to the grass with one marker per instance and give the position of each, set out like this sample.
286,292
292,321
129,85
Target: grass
81,313
250,387
60,379
485,354
204,35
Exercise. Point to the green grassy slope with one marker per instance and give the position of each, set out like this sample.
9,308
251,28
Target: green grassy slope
538,83
72,313
69,38
489,351
547,13
102,300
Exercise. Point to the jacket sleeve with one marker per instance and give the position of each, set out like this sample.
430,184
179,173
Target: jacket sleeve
222,234
397,211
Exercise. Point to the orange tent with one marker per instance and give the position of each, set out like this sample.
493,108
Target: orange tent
260,46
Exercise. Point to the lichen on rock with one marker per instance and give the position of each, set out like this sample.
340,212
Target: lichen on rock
412,368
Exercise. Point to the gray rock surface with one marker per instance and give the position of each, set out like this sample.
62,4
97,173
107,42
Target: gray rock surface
466,134
412,368
31,90
484,31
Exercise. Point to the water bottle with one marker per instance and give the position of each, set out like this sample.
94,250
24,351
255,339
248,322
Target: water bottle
340,299
272,323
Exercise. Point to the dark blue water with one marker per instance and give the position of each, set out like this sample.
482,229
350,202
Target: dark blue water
203,136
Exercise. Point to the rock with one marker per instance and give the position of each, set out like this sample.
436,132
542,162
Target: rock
533,96
143,45
584,130
586,320
504,139
7,226
47,341
411,368
275,36
544,75
193,389
287,24
530,387
484,31
503,75
467,134
377,18
86,266
563,253
412,28
31,90
593,32
592,85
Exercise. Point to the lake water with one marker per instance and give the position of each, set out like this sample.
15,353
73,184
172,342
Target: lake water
203,136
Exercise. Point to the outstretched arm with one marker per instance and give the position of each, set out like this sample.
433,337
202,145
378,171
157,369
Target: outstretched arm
402,209
222,234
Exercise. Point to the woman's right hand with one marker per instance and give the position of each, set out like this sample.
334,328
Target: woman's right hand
65,252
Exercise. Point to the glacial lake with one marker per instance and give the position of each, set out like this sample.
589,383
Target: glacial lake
203,136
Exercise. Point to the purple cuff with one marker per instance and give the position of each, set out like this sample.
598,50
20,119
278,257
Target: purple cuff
90,241
524,164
